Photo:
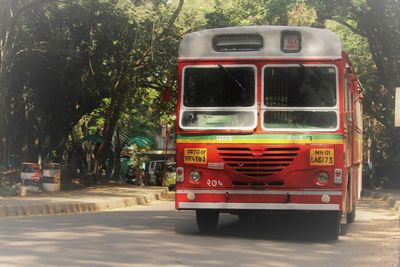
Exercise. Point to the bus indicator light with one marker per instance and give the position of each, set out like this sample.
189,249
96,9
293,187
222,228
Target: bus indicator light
180,175
338,177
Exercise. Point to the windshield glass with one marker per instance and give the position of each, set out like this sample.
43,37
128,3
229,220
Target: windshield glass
219,87
300,86
212,95
300,96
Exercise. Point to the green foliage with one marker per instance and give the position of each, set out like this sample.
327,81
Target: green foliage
51,76
377,61
86,59
193,15
79,67
301,15
247,12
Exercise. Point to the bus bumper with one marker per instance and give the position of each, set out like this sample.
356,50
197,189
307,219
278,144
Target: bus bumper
312,200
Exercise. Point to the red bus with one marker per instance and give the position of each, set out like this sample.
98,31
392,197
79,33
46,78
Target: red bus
268,118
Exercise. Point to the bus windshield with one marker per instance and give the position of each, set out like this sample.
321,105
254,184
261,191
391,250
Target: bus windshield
211,96
219,87
300,97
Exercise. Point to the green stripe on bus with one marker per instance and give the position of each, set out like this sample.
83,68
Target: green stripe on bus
262,139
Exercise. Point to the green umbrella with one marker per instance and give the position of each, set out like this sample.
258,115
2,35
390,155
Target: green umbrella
140,141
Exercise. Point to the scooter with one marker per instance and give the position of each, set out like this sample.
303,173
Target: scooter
131,178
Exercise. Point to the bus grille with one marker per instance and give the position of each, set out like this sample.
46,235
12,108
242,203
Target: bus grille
258,164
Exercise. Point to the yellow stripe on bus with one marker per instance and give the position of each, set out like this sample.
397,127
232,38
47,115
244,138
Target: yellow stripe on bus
260,141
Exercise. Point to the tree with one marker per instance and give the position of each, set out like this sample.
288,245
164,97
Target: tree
247,12
67,57
136,51
50,88
301,15
11,12
378,22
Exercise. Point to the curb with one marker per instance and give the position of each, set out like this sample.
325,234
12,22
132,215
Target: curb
75,207
392,200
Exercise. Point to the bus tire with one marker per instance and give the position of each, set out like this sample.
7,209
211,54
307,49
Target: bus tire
333,226
246,217
351,216
207,220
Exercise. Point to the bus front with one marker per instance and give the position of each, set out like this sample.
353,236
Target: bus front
258,132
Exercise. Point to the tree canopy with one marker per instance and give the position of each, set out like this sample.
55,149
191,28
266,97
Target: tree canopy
79,67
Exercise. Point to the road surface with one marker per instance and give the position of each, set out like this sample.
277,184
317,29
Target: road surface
158,235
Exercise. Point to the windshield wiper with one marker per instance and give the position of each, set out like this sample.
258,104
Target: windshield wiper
310,72
233,78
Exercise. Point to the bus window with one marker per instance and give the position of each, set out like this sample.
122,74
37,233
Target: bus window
300,119
218,91
219,87
300,97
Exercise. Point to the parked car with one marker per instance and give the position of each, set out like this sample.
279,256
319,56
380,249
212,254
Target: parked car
368,175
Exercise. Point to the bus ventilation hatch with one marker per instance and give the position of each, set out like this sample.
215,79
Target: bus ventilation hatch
258,164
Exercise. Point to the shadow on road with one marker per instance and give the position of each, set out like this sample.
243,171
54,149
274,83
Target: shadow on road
160,236
278,226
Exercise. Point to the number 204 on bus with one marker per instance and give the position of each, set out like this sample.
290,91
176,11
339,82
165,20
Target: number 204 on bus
268,118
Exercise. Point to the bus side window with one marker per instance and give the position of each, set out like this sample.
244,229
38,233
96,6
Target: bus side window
348,107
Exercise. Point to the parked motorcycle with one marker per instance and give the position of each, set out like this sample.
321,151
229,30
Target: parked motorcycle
130,177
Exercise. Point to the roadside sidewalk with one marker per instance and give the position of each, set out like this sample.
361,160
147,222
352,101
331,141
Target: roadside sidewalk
91,199
104,197
392,197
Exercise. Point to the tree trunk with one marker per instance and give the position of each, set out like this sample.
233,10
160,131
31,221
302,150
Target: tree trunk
117,158
112,116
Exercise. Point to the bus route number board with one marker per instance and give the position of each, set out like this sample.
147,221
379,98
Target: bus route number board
195,155
322,157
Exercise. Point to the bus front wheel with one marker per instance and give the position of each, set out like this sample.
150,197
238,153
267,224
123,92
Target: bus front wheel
207,220
333,225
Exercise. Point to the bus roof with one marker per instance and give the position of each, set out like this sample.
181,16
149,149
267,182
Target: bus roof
315,43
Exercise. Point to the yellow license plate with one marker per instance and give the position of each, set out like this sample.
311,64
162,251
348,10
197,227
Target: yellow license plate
322,157
195,155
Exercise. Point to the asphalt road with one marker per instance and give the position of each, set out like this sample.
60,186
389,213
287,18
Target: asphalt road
158,235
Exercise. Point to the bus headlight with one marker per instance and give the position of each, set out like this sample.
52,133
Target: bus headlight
322,177
195,175
180,174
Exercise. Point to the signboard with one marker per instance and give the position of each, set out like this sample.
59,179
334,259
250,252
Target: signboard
195,155
237,42
291,42
397,108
